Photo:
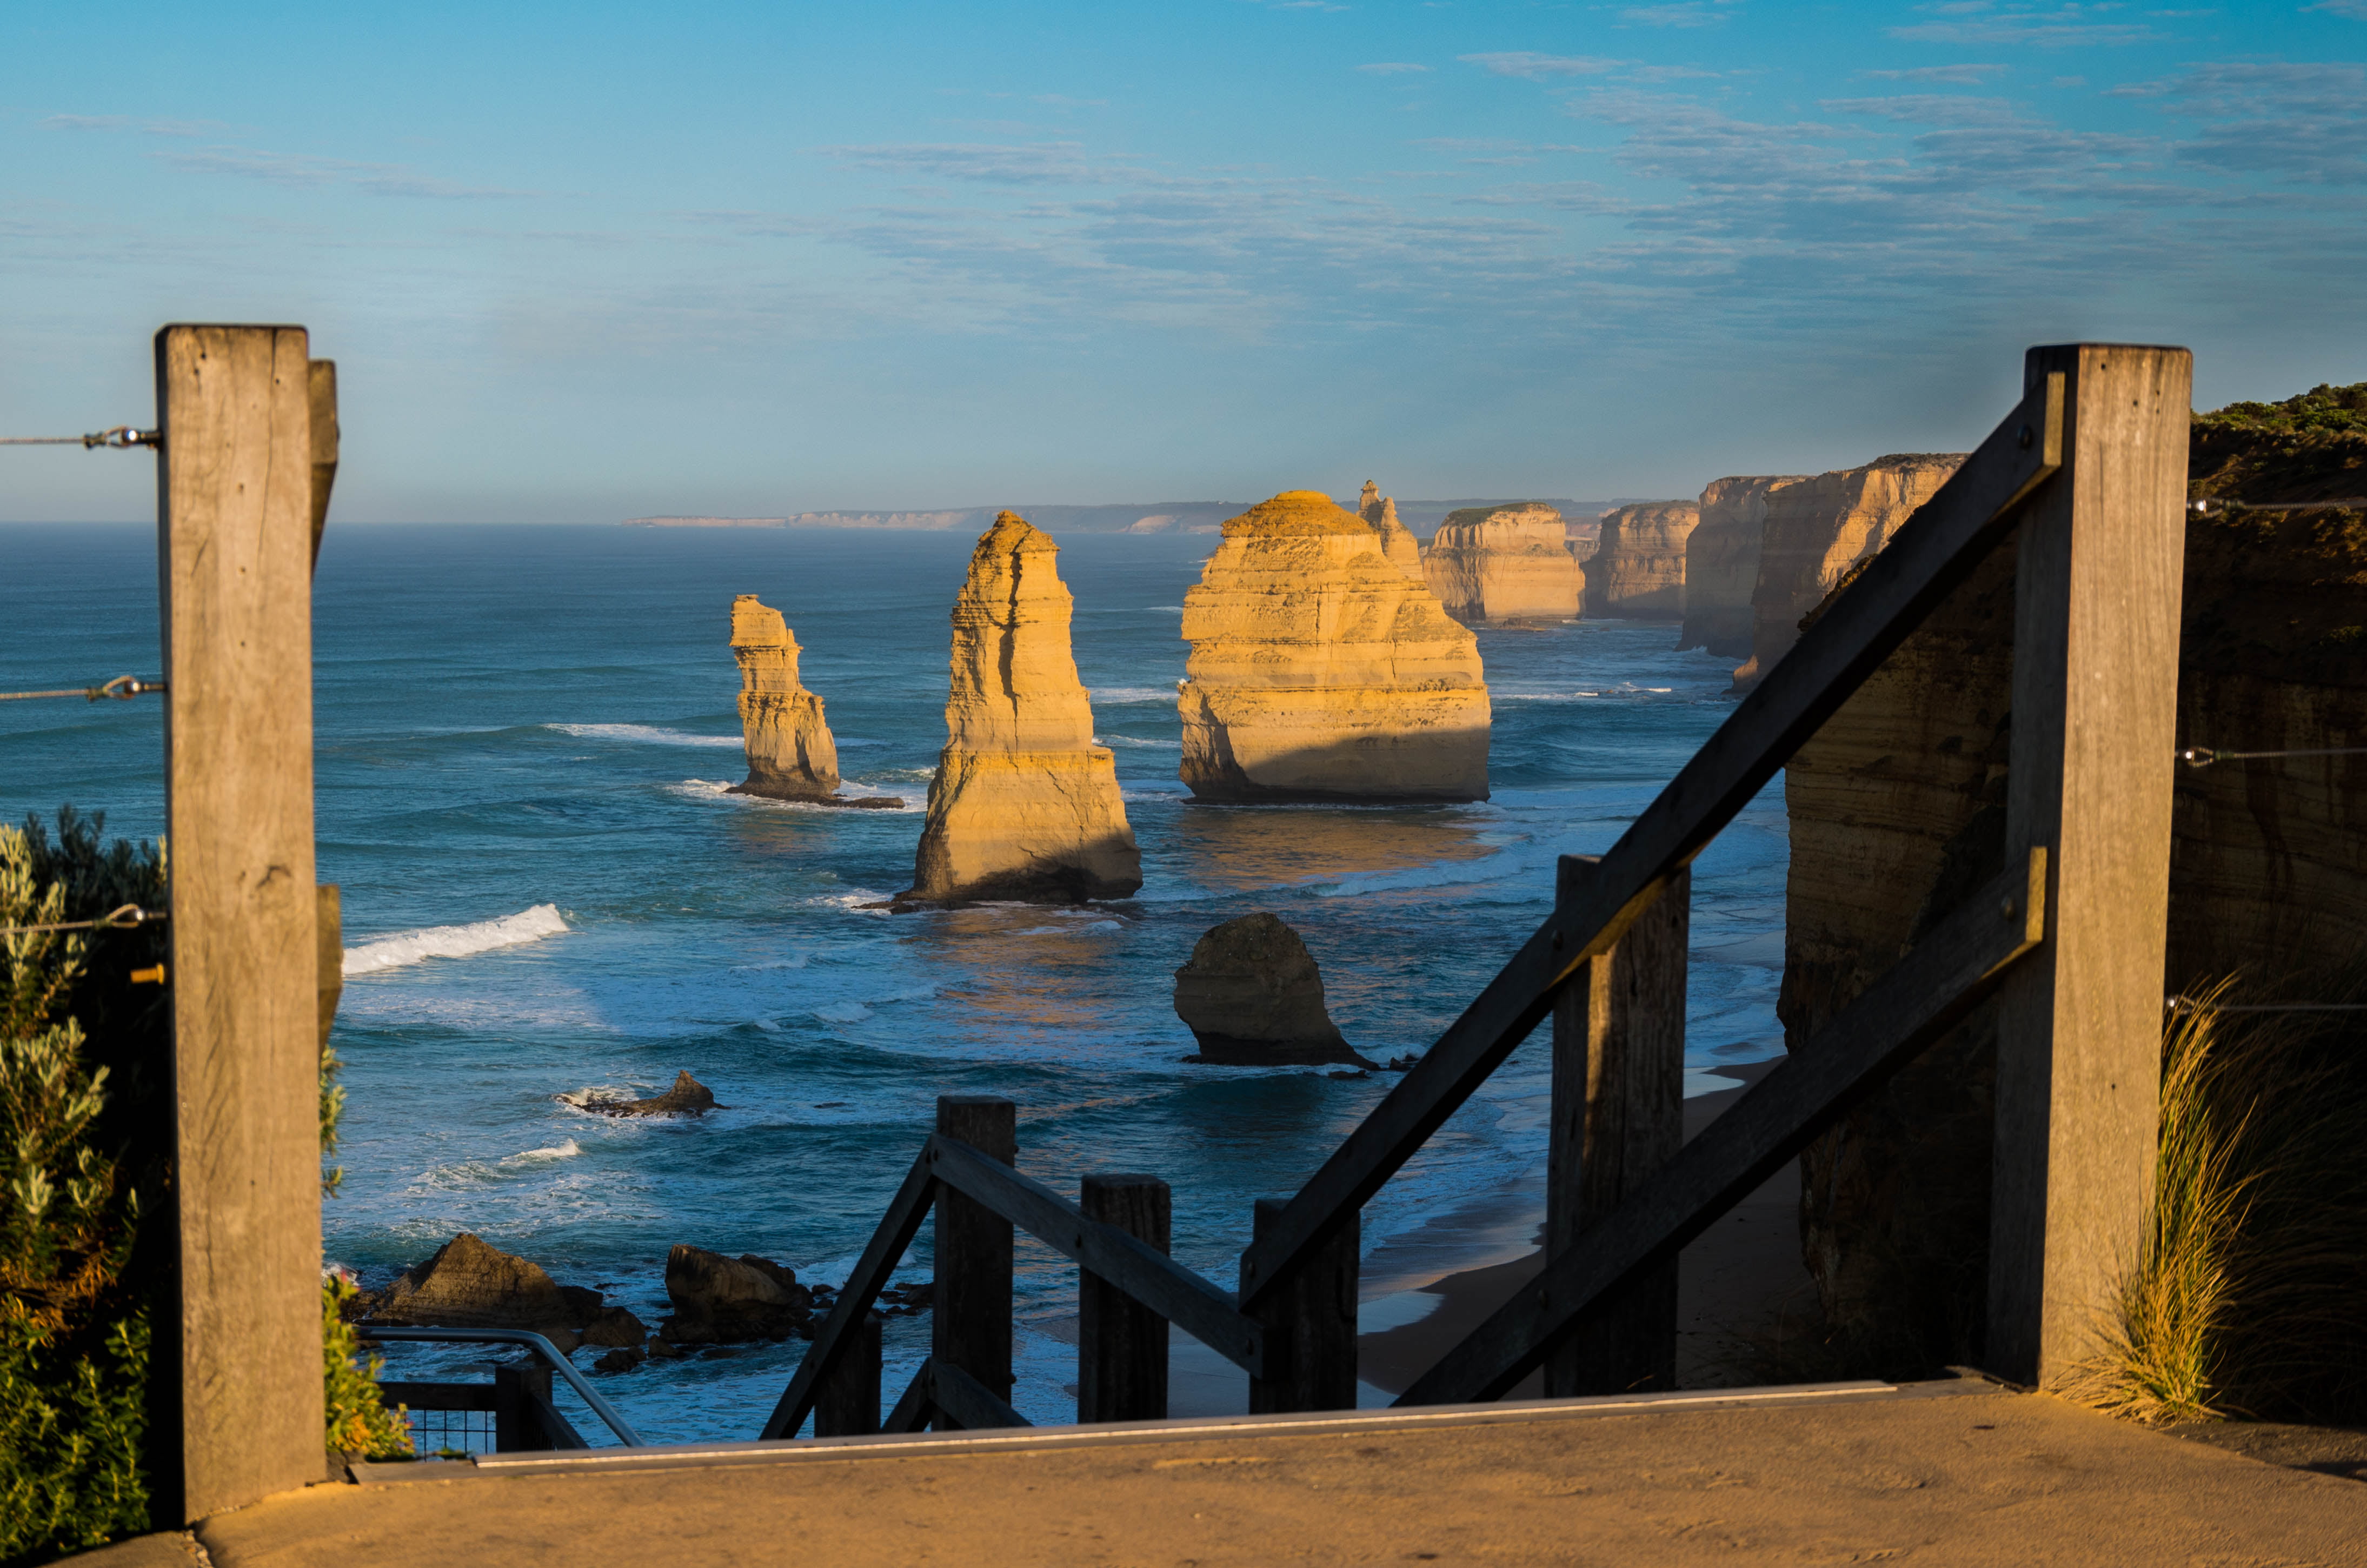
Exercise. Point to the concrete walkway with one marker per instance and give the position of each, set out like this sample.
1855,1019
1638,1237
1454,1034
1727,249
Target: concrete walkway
1959,1473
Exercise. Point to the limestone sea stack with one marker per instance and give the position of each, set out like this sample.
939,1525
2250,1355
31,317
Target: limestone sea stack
1637,570
790,754
1722,562
1817,529
1506,565
1253,997
1398,543
1024,806
1320,672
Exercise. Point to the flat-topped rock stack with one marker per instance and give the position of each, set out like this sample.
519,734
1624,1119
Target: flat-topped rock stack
1024,806
1398,543
790,754
1320,672
1508,565
1817,529
1722,562
1637,570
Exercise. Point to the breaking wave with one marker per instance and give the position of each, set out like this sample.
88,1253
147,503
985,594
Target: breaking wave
1130,740
648,734
1121,694
455,941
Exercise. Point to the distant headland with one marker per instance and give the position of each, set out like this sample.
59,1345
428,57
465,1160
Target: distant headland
1421,518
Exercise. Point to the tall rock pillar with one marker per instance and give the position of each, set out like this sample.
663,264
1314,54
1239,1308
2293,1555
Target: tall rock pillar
790,754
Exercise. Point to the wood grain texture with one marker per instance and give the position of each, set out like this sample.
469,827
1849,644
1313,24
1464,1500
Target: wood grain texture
1311,1325
970,1322
1618,1116
848,1404
320,397
2101,559
328,955
1122,1345
235,525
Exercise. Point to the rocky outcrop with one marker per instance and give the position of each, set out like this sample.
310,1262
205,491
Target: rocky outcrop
1637,570
1816,530
1024,806
790,754
687,1098
1507,566
468,1283
1253,997
1320,672
721,1300
1398,546
1722,563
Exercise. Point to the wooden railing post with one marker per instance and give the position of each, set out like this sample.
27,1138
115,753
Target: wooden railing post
2100,564
518,1424
849,1402
1122,1345
971,1326
1310,1323
1618,1116
242,1364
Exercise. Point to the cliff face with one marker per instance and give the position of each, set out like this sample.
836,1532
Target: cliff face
790,754
1637,570
1023,805
1504,566
1816,530
1320,672
1398,546
1722,563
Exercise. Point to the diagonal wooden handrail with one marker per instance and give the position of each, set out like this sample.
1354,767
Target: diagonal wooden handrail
1934,550
1142,1271
1916,1001
967,1403
916,1406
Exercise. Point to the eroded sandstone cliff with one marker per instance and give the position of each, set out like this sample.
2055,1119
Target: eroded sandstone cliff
1024,806
1320,672
1506,565
790,754
1816,530
1398,546
1637,570
1722,562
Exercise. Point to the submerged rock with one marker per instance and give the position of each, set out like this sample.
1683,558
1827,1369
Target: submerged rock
1507,566
1637,570
1253,997
1320,672
718,1300
1024,806
1722,562
687,1098
1399,546
790,754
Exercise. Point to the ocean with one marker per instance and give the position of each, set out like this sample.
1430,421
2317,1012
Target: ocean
524,740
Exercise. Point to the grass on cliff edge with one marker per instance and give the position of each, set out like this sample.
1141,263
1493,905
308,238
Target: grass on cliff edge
2250,1297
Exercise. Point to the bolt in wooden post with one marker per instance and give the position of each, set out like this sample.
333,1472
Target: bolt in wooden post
971,1323
2101,561
1618,1116
235,517
847,1405
1310,1324
1121,1343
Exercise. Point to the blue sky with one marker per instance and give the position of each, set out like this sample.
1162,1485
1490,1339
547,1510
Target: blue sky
587,262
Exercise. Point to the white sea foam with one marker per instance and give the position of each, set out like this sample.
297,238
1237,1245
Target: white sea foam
455,941
1115,694
842,1013
1163,609
1130,740
566,1151
648,734
1626,688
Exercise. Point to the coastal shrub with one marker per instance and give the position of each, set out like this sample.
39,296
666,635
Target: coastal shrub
2250,1297
358,1420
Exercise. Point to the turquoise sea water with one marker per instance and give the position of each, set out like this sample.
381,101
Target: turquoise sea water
512,718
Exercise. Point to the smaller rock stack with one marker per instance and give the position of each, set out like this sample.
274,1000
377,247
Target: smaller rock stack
1637,570
1253,997
1024,806
1507,566
790,754
1722,562
1398,546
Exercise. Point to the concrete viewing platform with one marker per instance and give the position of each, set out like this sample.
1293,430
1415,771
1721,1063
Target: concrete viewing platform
1956,1472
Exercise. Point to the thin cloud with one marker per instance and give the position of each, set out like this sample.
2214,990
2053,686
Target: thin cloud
2065,27
2354,9
1391,67
1042,162
302,171
85,122
1540,67
1685,14
1956,75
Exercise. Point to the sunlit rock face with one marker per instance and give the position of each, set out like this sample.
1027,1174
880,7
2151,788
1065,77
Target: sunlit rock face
1817,529
1722,562
1504,566
1637,570
1024,806
1398,546
1320,672
790,754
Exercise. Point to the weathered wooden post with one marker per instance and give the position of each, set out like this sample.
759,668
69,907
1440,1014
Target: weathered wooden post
2100,564
848,1402
1310,1323
234,523
971,1323
1618,1116
1121,1343
517,1415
